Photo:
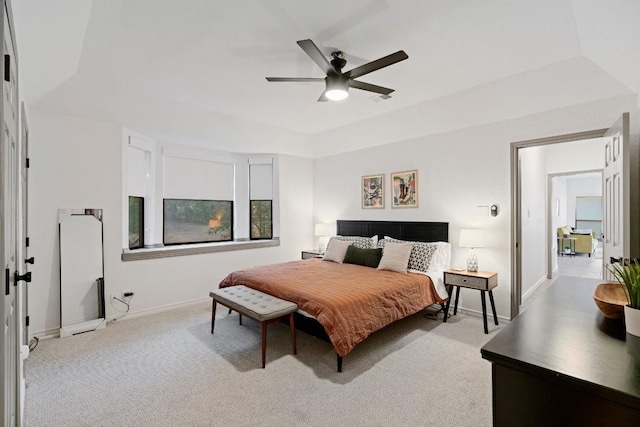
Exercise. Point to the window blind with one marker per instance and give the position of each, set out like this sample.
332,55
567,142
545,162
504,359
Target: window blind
199,179
136,172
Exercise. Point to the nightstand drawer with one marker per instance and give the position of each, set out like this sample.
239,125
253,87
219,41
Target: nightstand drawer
466,281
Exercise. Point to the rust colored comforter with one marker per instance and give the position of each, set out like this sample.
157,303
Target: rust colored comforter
350,301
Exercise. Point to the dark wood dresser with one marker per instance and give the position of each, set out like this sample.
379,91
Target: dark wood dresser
561,362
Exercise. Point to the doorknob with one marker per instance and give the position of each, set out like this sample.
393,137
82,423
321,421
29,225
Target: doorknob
26,277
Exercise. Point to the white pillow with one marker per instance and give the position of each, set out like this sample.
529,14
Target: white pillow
395,256
336,251
441,259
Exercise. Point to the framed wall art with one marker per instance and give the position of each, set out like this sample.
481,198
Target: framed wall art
404,189
372,196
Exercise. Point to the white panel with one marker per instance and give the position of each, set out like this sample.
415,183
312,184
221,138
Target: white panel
136,172
198,179
261,181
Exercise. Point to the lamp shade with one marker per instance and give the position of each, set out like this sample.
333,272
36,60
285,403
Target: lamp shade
471,238
324,229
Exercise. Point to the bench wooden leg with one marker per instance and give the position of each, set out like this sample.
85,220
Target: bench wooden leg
293,333
213,315
264,343
240,318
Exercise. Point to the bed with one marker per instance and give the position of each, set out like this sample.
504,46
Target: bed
345,303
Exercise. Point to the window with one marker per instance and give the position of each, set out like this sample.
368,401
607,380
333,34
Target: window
136,222
138,187
261,219
177,195
197,221
261,198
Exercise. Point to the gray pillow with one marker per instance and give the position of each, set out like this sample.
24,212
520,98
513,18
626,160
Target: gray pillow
395,256
336,251
421,254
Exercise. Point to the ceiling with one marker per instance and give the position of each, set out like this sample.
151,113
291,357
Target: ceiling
194,70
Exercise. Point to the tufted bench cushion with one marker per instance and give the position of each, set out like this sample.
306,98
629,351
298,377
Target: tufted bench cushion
255,304
262,307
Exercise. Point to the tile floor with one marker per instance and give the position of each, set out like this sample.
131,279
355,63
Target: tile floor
580,266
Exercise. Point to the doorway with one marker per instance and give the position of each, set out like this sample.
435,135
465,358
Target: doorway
533,215
574,218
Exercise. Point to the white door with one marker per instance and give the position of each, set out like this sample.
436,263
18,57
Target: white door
616,216
9,330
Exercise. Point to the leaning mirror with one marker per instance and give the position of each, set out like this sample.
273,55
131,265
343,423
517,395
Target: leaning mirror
81,271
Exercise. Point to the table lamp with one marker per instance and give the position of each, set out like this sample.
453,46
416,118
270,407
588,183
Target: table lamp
471,238
324,232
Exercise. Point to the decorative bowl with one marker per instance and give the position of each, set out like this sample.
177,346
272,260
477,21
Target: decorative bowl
610,299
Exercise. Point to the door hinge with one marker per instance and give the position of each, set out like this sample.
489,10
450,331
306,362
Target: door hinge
28,164
26,243
26,277
26,321
31,260
7,68
7,288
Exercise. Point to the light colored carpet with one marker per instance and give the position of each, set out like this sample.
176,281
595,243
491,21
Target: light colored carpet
166,369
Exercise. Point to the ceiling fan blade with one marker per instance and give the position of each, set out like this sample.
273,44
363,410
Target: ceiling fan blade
314,53
294,79
369,87
377,64
323,97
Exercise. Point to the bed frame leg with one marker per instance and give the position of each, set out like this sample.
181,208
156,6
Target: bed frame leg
339,363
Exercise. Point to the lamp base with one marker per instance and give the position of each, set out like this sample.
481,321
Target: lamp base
472,262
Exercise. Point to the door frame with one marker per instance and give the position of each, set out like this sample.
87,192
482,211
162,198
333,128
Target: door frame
550,208
516,226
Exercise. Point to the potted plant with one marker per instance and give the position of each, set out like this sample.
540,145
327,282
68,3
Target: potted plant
628,275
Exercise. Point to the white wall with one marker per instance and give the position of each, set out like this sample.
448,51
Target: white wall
77,163
456,173
533,197
575,156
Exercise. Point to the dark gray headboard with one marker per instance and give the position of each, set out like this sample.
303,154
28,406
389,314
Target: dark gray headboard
403,230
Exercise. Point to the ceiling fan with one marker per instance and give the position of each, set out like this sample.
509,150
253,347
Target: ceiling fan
337,82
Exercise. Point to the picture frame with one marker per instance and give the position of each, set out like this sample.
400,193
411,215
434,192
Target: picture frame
372,191
404,189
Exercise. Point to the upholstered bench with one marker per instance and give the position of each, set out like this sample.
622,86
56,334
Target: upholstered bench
257,305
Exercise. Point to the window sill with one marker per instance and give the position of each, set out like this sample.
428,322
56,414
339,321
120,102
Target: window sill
195,249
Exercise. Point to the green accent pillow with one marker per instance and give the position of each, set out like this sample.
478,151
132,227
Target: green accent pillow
366,257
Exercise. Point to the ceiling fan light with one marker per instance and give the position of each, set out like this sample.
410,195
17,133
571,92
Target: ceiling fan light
337,88
336,94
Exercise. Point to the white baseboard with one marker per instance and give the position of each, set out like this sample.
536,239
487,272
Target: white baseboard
133,315
535,286
55,333
476,313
